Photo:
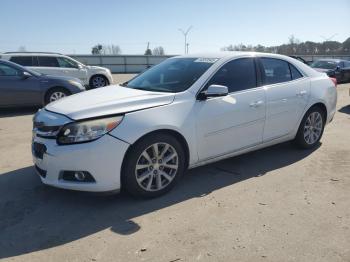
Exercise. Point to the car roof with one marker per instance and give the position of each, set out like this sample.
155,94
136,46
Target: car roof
31,54
233,54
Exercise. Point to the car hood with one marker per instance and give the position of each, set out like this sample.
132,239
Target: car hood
59,78
108,100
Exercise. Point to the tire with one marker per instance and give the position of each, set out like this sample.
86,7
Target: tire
98,81
311,128
147,175
55,94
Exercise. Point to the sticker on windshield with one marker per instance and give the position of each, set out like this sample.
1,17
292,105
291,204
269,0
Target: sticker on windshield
206,60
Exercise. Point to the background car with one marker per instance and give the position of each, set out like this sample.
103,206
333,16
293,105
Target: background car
339,69
61,65
20,86
184,112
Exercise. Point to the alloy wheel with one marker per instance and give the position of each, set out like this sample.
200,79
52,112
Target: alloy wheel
57,95
156,167
99,81
313,128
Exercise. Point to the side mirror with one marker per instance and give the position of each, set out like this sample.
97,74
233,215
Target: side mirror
80,66
25,75
213,91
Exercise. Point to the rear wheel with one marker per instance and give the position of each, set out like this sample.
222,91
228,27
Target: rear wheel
56,94
153,165
311,128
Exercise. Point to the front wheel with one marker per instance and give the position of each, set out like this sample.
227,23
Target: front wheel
98,81
311,128
153,165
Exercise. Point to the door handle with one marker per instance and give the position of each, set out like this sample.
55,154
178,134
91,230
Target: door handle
256,104
302,93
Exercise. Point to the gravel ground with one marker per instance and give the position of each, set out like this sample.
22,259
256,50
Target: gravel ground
276,204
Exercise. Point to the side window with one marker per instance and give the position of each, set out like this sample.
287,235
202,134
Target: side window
295,72
6,70
22,60
275,71
347,64
237,75
67,63
48,61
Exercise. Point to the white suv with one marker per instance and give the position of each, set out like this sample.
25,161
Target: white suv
61,65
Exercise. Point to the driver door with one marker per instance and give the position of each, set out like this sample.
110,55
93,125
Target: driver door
16,89
72,69
236,121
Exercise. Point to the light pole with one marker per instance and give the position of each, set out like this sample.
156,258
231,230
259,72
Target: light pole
185,35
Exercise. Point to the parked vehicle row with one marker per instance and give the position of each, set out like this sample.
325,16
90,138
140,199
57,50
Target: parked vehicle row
61,65
21,86
184,112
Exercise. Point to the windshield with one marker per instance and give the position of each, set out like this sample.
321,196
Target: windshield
173,75
324,64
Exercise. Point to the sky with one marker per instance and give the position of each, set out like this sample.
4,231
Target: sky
74,26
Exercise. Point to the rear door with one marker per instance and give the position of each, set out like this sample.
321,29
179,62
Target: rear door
17,90
48,65
287,93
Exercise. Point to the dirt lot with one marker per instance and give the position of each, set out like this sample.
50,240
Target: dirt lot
276,204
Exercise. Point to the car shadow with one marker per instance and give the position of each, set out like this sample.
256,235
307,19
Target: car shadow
345,109
11,112
35,217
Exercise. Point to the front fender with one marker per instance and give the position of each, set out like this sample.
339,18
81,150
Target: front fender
177,117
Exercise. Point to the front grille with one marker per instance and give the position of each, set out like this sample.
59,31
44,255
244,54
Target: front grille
46,131
47,124
40,171
38,150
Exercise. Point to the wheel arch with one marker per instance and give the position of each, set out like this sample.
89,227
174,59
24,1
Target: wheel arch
171,132
50,89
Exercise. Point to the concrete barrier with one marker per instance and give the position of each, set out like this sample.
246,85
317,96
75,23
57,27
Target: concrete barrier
137,63
121,63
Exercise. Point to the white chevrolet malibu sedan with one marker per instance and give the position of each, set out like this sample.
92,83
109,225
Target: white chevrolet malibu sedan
185,112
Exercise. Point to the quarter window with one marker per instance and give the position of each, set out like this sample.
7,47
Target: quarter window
6,70
22,60
237,75
47,61
275,71
295,73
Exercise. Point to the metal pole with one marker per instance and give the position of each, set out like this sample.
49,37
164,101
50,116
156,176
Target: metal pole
185,35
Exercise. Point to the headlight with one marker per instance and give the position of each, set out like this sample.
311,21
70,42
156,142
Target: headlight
76,83
85,131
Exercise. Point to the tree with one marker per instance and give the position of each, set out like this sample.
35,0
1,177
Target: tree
111,50
97,49
296,47
158,50
148,50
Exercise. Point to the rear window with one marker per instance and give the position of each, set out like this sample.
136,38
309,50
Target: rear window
22,60
275,71
48,61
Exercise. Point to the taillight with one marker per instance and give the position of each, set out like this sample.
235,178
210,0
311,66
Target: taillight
334,81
